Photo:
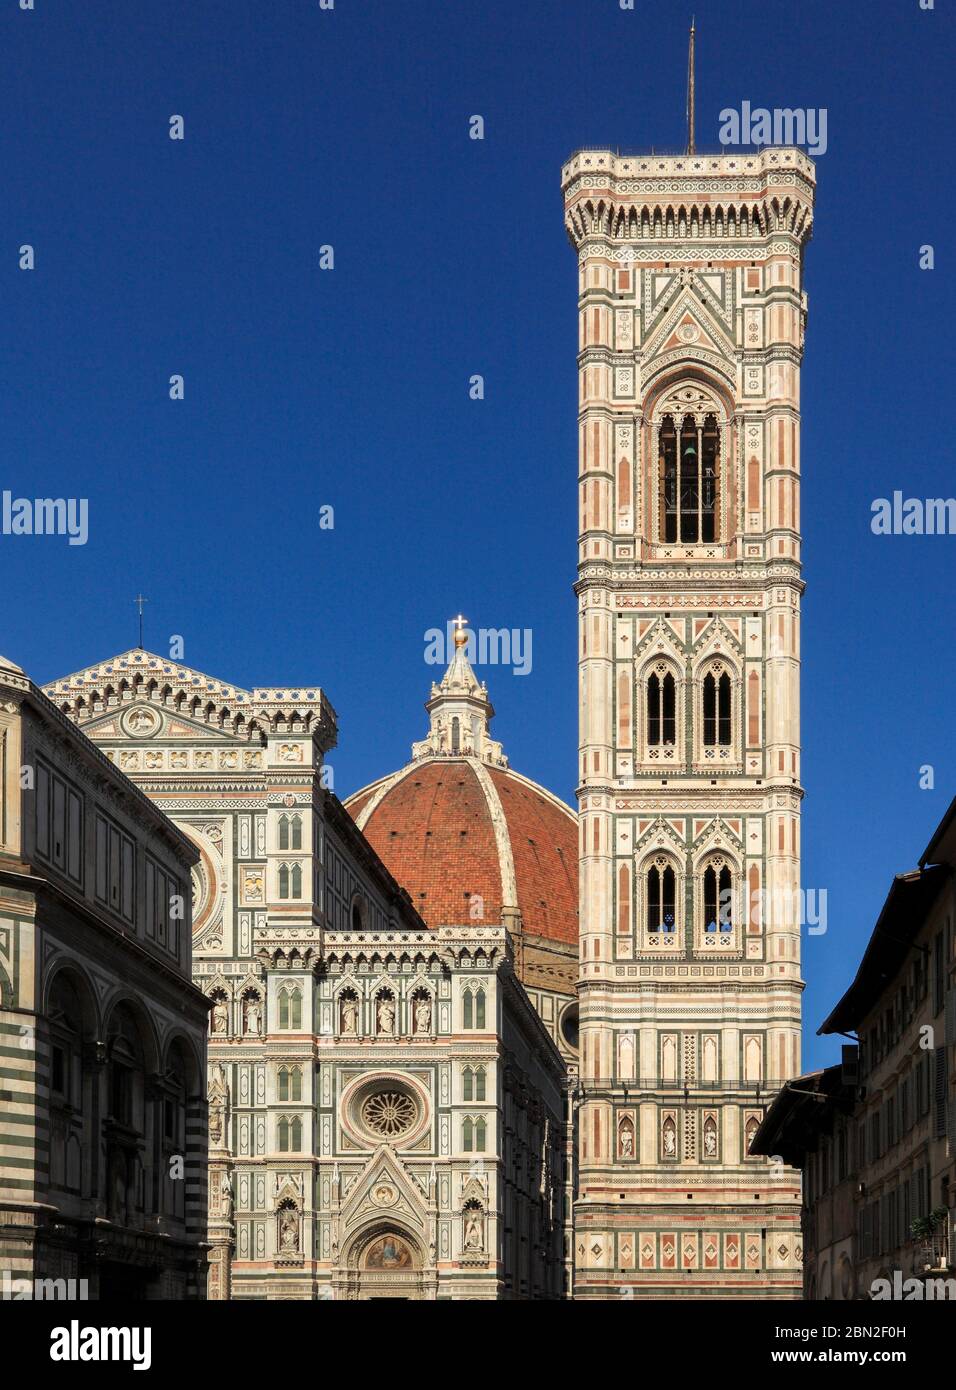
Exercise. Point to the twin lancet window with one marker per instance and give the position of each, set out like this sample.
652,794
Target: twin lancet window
690,479
661,898
716,709
661,709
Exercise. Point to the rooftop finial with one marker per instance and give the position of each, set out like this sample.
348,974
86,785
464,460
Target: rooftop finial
459,709
140,601
691,143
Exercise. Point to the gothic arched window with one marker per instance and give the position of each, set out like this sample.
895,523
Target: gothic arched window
718,898
455,735
717,708
290,1083
661,708
283,832
473,1008
689,462
473,1135
283,880
473,1083
661,897
296,877
295,832
289,1134
290,1009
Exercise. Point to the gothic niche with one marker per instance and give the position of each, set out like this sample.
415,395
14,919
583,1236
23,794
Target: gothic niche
473,1229
385,1014
710,1137
625,1137
288,1238
348,1013
251,1014
422,1011
669,1137
219,1018
218,1104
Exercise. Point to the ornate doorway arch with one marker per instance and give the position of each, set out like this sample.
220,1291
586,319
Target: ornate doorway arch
385,1262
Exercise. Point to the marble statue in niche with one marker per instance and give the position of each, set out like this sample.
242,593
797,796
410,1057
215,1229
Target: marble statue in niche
252,1009
348,1006
386,1016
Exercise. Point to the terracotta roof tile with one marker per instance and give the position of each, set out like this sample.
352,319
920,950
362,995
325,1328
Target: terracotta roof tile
433,829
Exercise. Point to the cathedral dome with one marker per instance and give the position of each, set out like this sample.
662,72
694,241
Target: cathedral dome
471,840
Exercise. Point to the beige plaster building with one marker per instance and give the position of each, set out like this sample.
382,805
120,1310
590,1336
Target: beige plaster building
878,1154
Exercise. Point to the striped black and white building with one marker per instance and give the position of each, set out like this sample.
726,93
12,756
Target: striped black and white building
103,1129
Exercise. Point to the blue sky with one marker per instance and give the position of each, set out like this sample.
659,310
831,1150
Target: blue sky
349,387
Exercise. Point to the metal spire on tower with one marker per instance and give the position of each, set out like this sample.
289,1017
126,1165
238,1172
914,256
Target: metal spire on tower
691,143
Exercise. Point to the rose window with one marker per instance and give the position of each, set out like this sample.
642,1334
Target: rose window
389,1113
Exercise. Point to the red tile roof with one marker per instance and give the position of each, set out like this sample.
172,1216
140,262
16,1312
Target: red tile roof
434,830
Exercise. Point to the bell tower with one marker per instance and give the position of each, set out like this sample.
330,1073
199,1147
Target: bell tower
691,323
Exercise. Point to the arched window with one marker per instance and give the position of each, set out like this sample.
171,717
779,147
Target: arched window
290,1083
296,877
661,707
479,1083
283,832
295,831
128,1193
473,1008
661,897
71,1127
290,1008
689,463
480,1130
283,880
468,1084
290,1134
467,1135
716,710
718,898
455,735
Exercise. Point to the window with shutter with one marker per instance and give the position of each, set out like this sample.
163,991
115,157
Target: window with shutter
74,831
940,1087
43,811
58,848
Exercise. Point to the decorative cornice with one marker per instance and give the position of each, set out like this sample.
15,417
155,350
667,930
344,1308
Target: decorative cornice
166,684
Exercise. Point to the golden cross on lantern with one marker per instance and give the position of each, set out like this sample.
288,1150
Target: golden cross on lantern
461,638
